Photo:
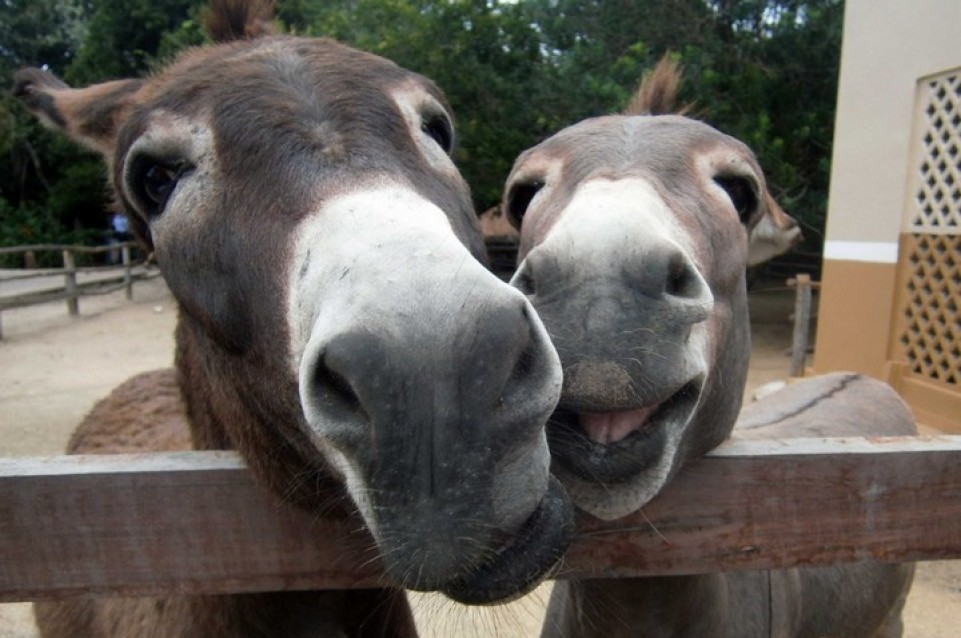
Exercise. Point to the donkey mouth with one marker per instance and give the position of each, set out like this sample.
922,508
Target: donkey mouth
615,446
612,427
518,567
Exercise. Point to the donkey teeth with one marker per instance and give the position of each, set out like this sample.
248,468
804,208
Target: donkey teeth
611,427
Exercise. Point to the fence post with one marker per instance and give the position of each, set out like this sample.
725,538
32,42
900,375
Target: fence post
127,271
802,323
70,282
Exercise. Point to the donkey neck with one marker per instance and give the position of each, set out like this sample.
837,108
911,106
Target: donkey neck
662,607
201,391
233,402
374,613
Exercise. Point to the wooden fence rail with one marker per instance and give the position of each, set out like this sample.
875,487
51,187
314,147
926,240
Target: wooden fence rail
72,289
194,522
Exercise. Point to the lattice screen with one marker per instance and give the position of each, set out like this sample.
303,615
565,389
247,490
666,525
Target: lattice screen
938,195
931,331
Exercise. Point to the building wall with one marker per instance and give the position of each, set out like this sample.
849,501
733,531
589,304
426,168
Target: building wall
889,45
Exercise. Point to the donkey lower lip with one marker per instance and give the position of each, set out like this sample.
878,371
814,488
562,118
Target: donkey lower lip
520,566
617,445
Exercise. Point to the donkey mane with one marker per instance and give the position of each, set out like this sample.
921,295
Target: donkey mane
229,20
657,93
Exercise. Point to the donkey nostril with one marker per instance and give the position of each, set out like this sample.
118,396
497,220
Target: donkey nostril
523,280
524,367
333,390
682,281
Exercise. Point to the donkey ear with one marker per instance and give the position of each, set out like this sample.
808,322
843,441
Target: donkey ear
91,116
775,232
770,208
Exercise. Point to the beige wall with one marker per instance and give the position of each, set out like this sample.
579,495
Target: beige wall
888,45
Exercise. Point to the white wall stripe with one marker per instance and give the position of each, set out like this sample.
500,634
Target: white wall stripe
873,251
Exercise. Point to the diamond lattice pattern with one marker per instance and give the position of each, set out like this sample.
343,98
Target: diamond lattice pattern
932,335
937,201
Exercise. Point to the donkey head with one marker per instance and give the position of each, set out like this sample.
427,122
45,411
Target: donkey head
335,322
634,241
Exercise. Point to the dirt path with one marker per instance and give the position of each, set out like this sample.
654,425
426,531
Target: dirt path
53,368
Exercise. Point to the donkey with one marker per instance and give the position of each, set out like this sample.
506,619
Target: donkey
634,242
336,325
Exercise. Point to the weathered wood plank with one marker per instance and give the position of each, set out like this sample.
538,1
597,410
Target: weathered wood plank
189,522
765,504
194,522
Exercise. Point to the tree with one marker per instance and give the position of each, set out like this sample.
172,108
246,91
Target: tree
124,36
34,187
52,190
764,71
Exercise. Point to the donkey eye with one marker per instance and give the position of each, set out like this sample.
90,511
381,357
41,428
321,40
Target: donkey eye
158,181
519,199
438,127
152,182
742,192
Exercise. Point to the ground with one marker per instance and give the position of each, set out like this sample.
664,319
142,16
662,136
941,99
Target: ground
53,368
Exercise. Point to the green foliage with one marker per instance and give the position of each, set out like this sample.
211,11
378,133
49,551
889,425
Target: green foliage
764,71
123,36
80,194
190,33
50,189
38,32
32,225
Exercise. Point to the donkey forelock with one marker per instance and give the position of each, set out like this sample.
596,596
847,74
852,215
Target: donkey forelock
227,20
657,93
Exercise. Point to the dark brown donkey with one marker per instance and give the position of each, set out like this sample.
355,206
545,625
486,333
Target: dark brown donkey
634,242
335,327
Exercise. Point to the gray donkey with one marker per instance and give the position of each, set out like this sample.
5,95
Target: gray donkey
634,241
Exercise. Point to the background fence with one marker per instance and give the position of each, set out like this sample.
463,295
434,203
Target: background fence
21,288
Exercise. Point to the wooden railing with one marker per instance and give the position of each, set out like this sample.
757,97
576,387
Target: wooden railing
194,522
73,287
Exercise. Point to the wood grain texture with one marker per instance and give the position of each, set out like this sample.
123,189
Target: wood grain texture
186,522
194,522
770,504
